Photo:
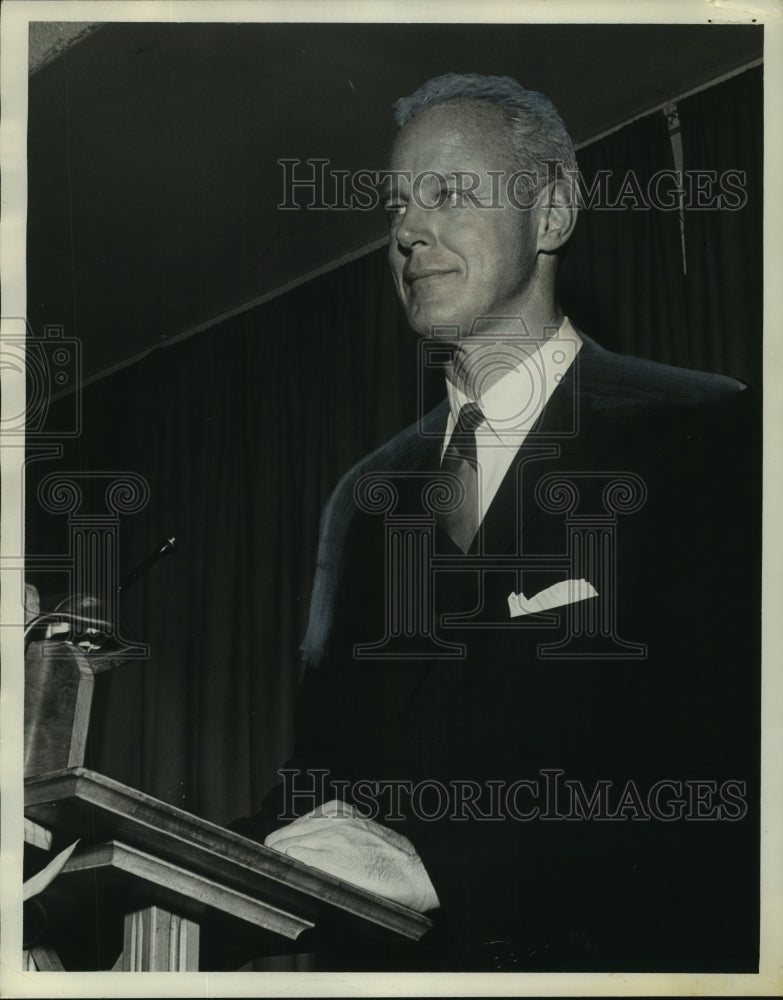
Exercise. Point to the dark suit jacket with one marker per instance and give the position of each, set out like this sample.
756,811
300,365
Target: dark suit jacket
644,479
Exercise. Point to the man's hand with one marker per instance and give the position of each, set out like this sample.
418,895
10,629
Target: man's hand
335,838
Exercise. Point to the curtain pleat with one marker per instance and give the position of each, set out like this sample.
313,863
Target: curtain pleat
622,276
722,131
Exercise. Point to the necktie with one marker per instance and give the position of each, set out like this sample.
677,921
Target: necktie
460,460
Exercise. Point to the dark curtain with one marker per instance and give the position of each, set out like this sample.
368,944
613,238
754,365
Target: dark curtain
722,130
242,431
622,276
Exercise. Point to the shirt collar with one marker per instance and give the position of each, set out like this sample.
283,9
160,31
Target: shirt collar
513,403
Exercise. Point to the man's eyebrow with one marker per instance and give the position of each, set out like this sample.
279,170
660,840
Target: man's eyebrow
460,178
464,177
388,188
388,182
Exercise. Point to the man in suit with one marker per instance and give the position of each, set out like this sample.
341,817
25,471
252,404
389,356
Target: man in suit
531,692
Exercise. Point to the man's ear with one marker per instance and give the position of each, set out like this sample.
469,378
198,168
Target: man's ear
557,215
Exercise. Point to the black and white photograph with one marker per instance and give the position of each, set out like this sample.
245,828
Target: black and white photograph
390,465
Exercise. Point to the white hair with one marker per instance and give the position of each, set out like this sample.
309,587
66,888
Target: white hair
536,131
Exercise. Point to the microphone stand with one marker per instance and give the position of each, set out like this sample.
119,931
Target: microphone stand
167,546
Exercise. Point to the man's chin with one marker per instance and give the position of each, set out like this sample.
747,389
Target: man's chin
433,325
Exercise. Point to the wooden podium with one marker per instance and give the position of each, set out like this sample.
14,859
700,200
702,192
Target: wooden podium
170,879
150,886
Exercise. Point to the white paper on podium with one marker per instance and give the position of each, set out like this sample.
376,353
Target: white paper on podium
556,596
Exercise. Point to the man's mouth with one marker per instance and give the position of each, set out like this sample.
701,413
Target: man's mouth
424,273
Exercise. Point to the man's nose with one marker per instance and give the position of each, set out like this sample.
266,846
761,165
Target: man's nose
417,227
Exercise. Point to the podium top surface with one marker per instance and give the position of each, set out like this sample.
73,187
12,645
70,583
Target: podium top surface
80,803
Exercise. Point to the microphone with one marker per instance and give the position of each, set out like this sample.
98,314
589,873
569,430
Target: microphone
166,546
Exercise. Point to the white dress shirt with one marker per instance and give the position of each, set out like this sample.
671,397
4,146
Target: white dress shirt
512,404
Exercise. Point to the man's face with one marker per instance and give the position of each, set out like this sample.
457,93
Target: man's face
457,262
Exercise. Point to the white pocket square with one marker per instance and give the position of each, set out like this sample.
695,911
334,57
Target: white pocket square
556,596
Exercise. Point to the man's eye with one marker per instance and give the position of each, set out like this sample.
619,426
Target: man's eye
450,198
394,211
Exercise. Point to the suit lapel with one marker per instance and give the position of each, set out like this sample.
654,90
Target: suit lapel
563,429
